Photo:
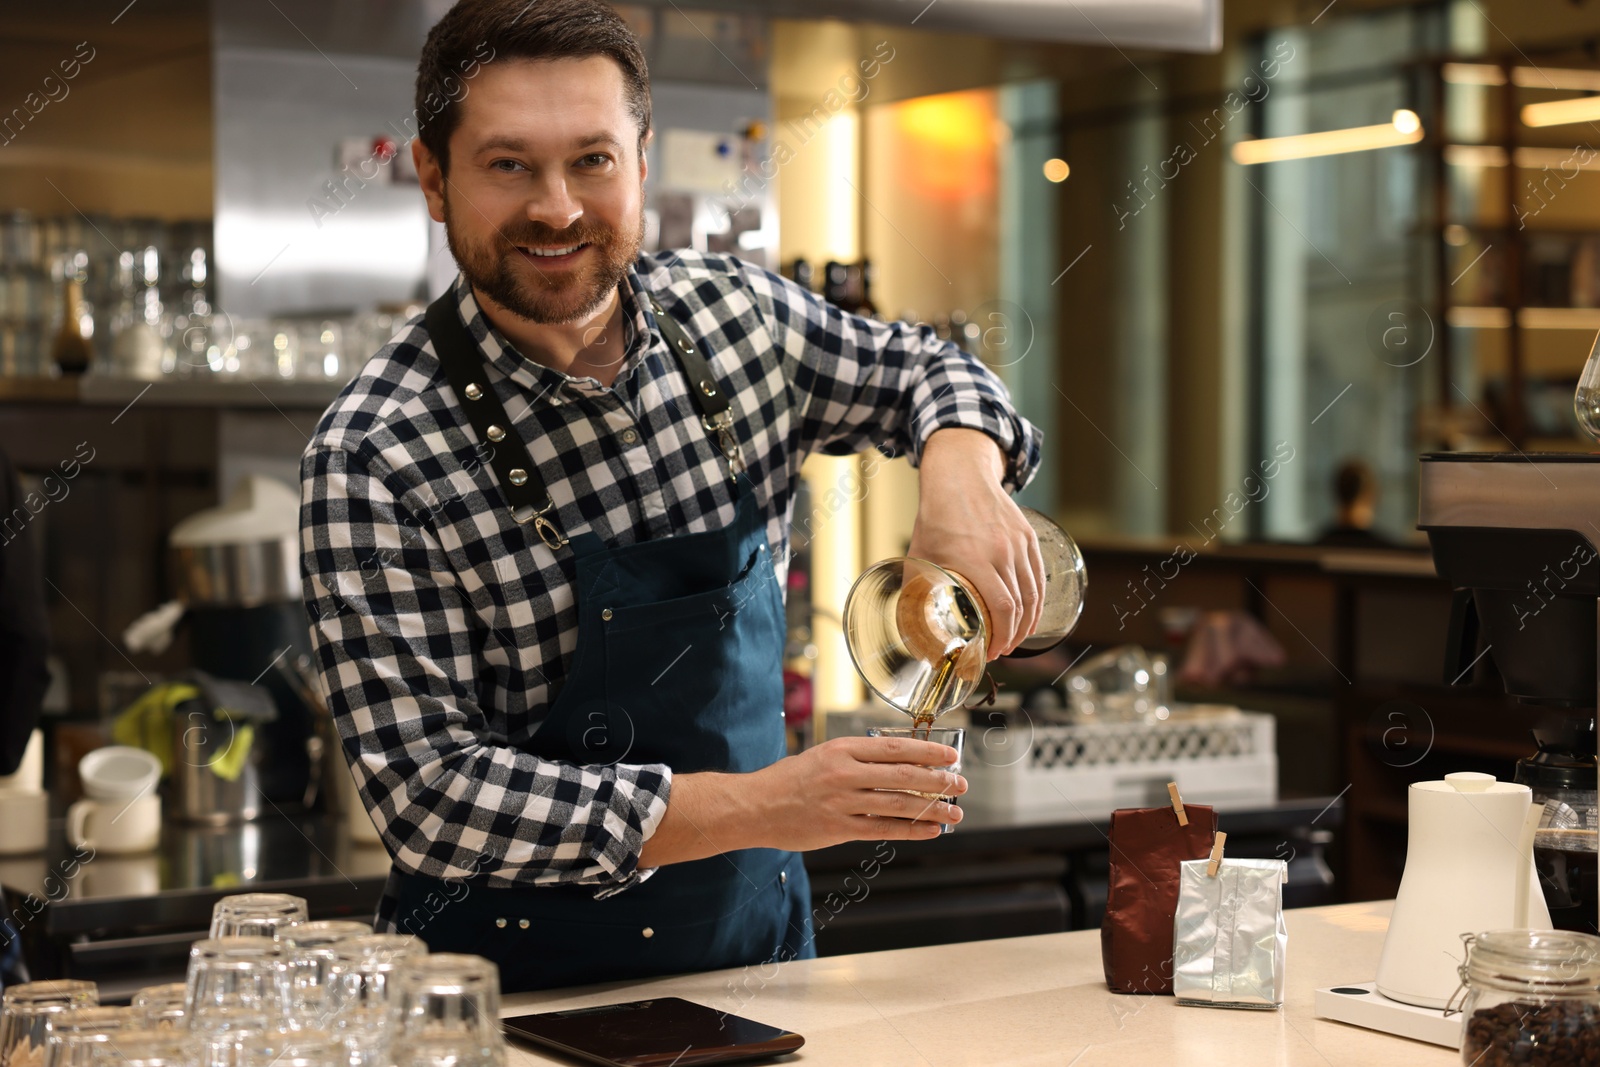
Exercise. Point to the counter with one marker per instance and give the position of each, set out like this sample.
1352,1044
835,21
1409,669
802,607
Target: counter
128,921
1034,1000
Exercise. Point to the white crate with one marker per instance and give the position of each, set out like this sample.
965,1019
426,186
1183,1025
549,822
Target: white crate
1216,755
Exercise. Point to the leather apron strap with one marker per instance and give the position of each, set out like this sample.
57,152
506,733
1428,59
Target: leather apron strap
519,479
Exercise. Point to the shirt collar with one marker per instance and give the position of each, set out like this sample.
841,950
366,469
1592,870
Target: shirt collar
639,335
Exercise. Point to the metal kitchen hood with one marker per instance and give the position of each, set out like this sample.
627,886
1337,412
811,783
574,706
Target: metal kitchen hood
1170,25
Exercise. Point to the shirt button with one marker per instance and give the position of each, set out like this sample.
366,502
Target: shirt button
648,932
606,614
630,436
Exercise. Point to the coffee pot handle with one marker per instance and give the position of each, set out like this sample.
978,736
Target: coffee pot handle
1462,643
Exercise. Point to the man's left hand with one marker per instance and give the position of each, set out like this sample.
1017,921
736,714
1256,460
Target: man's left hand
967,524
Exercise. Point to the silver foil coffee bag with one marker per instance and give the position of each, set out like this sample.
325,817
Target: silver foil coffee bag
1228,936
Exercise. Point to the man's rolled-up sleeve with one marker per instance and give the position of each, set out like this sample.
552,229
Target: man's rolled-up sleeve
394,638
861,383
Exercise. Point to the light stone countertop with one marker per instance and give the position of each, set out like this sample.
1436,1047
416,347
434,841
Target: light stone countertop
1033,1001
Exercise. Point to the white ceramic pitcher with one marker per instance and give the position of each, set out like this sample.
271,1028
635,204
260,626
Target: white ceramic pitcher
1465,856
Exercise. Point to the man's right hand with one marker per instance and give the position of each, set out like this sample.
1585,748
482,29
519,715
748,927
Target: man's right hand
835,792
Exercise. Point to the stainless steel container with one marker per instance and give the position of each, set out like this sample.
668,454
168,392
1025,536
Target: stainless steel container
199,794
238,575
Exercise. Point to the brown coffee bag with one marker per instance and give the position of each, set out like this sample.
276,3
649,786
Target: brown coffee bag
1147,845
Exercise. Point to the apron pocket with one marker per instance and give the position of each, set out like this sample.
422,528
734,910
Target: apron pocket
714,605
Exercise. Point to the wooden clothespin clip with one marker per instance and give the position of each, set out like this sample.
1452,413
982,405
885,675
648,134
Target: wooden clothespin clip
1217,841
1177,804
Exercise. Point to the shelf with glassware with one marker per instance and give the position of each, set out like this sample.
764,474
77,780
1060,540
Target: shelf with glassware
134,300
1516,250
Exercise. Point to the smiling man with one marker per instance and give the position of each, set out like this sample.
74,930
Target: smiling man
545,531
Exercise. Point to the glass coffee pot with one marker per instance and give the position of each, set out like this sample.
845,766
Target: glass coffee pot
1562,777
918,633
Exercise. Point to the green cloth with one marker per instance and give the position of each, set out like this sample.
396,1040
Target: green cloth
147,724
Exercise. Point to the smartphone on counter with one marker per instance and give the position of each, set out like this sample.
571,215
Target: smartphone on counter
664,1032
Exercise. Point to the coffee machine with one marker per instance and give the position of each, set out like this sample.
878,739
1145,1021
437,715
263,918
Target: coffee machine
1517,536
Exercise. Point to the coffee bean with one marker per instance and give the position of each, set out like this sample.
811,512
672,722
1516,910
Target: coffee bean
1560,1033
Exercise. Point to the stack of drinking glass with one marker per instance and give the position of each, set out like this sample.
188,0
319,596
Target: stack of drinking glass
270,989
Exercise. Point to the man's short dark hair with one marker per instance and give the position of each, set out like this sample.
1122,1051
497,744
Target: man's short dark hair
474,32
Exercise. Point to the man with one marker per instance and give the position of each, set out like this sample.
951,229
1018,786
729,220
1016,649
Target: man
1355,494
545,527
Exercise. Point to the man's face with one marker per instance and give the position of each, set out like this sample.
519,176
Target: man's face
545,159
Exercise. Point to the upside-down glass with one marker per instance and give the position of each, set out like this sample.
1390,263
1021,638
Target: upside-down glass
71,1034
445,1012
236,983
28,1009
360,992
918,633
938,735
161,1007
271,1048
146,1048
256,914
310,959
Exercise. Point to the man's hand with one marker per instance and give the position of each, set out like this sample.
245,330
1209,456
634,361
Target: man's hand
967,524
826,795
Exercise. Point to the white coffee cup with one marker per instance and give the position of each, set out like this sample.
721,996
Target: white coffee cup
24,820
115,826
118,772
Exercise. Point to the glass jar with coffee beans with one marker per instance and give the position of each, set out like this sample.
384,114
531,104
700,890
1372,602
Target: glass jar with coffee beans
1531,998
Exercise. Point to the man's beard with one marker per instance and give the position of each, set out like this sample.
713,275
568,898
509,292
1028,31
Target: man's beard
563,294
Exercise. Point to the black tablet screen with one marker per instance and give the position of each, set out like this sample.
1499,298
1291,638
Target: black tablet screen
653,1033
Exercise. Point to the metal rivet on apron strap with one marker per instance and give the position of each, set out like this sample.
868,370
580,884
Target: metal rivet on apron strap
783,877
518,476
649,932
606,614
501,923
474,392
522,923
496,433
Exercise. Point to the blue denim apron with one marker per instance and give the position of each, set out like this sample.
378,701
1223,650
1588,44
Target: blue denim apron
678,661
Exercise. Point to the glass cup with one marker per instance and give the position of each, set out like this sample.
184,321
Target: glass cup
161,1007
445,1012
952,736
236,983
145,1048
71,1035
310,961
360,992
256,914
28,1009
271,1048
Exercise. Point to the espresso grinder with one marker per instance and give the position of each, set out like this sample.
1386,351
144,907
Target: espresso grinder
1516,537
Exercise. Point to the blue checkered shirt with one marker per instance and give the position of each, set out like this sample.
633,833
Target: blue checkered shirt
443,630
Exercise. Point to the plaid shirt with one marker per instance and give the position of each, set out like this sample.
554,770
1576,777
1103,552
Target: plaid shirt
443,630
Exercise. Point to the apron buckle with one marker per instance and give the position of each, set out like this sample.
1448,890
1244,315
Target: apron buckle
721,424
547,530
